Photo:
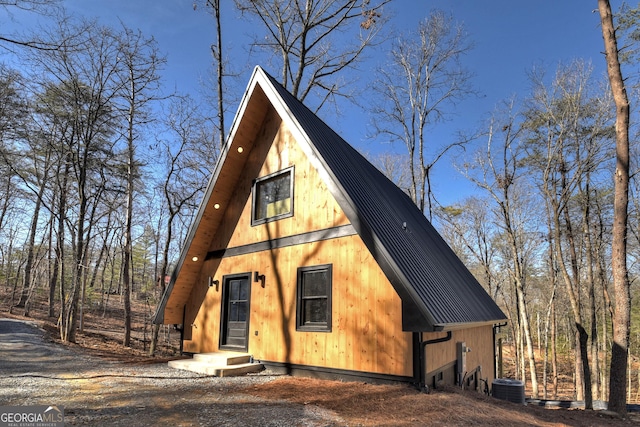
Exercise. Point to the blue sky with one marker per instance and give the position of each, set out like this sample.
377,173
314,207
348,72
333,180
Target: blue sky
510,37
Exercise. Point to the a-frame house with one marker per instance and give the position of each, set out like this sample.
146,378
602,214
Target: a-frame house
305,256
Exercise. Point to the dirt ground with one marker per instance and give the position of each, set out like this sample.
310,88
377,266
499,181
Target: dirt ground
374,405
349,403
333,403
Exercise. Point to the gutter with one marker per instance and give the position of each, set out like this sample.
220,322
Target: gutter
495,362
419,356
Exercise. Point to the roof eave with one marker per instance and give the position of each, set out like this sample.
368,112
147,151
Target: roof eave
445,327
371,240
158,317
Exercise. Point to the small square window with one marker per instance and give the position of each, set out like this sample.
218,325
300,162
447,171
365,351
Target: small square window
273,197
314,298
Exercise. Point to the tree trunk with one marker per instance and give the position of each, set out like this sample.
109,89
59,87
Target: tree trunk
128,249
582,371
605,334
69,321
547,324
59,263
33,230
218,57
589,260
622,294
163,272
529,341
554,350
593,349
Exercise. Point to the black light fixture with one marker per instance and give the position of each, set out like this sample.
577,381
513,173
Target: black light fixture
257,277
213,282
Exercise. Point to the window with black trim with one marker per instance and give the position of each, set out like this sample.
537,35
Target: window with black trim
314,298
273,197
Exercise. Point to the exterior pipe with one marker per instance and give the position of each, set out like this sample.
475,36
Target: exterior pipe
184,316
417,361
495,371
420,346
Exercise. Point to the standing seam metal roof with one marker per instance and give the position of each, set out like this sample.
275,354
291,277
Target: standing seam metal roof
424,268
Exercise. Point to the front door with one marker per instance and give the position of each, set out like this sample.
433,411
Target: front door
235,312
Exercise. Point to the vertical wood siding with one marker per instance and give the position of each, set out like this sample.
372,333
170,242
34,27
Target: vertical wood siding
366,330
314,207
479,340
366,312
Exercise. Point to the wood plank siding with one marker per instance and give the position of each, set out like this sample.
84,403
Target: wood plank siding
366,311
356,243
252,122
314,207
479,340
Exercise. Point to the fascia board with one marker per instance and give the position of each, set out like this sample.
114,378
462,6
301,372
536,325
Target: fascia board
193,228
379,251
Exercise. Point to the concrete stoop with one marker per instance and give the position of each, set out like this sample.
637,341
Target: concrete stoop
220,364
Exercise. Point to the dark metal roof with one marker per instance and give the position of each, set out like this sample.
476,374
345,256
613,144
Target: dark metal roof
437,290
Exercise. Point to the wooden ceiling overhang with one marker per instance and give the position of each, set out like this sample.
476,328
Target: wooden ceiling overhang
438,292
247,124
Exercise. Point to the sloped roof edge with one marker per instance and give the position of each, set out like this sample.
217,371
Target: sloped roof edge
425,271
387,234
158,317
275,92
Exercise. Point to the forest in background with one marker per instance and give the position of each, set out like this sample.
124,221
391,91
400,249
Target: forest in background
102,168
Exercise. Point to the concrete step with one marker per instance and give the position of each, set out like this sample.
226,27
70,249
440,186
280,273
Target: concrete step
218,364
223,359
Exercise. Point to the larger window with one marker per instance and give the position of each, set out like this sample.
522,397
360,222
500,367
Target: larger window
314,298
273,197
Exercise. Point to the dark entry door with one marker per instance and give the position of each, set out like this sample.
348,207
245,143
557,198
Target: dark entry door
235,316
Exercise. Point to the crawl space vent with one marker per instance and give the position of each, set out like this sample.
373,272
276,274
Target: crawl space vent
509,390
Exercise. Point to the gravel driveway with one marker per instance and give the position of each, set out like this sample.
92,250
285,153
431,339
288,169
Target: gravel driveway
94,392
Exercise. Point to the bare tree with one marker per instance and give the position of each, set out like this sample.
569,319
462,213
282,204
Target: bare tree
395,167
316,40
41,7
217,50
27,140
621,285
37,179
188,154
423,77
472,222
83,97
138,88
568,135
498,173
